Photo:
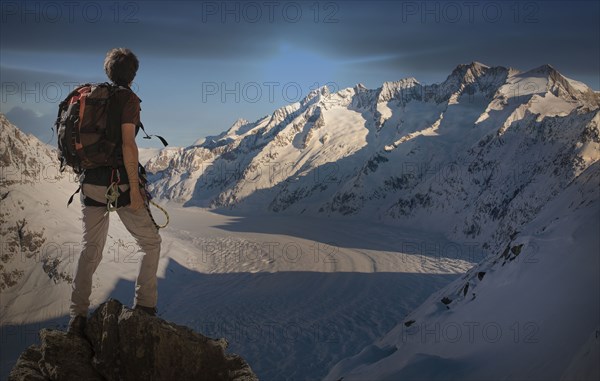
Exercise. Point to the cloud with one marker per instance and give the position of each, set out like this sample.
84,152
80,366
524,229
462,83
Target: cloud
424,34
44,88
151,28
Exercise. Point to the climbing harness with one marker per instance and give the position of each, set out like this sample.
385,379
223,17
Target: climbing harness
112,196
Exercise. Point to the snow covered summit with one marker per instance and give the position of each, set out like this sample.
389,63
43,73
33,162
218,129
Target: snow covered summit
481,152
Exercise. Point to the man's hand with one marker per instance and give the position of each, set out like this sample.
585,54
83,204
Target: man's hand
137,201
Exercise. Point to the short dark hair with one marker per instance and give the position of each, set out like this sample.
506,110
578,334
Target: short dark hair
121,65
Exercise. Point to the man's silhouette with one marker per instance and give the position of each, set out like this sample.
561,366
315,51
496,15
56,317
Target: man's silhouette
121,66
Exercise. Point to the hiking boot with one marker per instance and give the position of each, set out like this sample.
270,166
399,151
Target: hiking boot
77,325
149,310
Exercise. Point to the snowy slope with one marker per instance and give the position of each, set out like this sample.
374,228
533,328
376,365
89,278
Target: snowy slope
293,296
146,154
529,312
474,157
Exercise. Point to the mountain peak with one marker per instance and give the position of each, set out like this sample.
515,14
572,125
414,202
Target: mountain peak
476,65
544,69
393,89
237,124
404,82
315,95
469,71
22,150
240,122
564,87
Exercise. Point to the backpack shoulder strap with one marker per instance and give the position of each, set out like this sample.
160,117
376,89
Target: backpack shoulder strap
117,88
162,140
72,93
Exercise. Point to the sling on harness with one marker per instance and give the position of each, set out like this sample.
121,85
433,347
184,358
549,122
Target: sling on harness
112,195
143,188
152,217
112,192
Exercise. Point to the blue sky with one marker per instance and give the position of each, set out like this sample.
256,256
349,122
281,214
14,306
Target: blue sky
205,64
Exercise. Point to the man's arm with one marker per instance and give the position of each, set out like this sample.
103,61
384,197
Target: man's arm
130,158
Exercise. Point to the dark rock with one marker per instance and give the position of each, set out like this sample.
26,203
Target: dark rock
26,367
123,344
466,289
60,356
66,357
409,323
446,300
505,252
516,250
480,275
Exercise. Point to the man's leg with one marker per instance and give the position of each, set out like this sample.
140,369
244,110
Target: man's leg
95,230
142,228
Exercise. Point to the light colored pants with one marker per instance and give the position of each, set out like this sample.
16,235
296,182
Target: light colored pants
95,230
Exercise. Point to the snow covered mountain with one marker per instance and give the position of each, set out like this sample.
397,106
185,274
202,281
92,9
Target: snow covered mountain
529,312
492,157
476,156
27,163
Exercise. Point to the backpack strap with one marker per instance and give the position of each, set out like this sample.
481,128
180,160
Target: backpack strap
116,88
163,141
62,107
73,195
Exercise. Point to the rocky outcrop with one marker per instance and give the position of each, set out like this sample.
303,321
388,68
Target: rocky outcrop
123,344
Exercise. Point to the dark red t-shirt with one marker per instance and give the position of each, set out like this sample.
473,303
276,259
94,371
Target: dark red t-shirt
131,107
124,108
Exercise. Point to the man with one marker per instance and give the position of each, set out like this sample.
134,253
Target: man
121,66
